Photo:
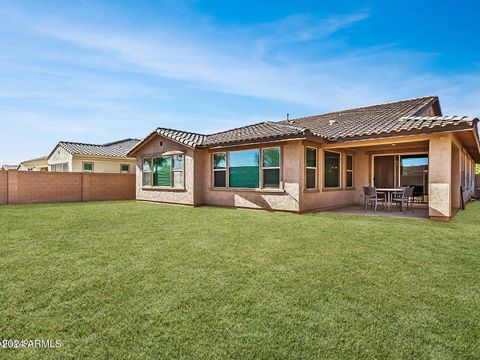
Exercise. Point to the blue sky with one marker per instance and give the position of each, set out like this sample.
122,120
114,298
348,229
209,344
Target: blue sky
101,71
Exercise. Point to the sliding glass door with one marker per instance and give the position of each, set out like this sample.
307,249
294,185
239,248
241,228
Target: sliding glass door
414,172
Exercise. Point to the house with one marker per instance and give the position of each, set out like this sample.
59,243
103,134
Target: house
105,158
37,164
316,162
9,167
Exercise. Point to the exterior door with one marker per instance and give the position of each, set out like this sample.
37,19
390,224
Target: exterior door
384,171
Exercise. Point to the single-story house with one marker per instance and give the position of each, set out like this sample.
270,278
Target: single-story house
105,158
9,167
37,164
316,162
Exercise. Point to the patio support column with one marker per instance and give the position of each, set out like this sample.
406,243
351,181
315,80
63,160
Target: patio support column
440,178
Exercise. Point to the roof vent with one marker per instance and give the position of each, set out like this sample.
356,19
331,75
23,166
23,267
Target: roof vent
332,122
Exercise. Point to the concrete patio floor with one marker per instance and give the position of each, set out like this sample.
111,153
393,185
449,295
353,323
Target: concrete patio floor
420,211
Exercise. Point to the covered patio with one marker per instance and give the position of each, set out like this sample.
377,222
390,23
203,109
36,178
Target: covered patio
420,211
432,164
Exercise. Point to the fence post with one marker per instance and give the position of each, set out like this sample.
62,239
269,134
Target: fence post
12,187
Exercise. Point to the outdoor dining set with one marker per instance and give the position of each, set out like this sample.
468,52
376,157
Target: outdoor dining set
401,198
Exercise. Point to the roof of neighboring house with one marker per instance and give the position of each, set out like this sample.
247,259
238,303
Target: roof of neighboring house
36,159
384,119
9,167
118,148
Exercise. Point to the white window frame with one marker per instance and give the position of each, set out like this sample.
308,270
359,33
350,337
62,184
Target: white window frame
87,162
349,171
311,167
172,182
151,171
279,167
225,169
125,172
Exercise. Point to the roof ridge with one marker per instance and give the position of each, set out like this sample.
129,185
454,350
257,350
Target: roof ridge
240,127
120,141
431,97
183,131
36,159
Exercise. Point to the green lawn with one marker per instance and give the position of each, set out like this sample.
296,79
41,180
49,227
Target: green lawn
127,279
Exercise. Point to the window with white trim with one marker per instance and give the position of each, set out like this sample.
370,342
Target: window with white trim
220,170
271,167
247,169
349,171
310,168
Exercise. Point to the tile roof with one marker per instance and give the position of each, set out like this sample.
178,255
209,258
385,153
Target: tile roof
365,121
36,159
118,148
255,132
188,138
389,118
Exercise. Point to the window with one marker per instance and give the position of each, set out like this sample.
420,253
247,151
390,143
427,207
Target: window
62,167
332,169
311,168
271,167
87,167
462,160
147,172
124,168
165,171
177,171
349,177
243,169
162,169
220,170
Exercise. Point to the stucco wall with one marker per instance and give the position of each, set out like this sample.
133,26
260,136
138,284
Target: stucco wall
101,165
322,198
284,199
178,196
60,155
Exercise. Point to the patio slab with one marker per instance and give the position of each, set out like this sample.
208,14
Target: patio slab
419,212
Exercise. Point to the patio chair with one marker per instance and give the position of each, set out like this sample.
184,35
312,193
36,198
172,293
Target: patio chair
405,200
373,197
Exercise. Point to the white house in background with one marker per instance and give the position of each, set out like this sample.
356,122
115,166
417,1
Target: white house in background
37,164
104,158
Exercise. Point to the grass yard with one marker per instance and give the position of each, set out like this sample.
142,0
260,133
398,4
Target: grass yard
139,280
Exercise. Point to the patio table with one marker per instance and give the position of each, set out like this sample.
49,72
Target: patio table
389,192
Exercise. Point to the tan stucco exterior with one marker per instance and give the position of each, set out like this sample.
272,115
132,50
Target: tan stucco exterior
101,164
34,165
444,174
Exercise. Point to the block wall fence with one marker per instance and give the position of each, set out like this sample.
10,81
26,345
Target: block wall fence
28,187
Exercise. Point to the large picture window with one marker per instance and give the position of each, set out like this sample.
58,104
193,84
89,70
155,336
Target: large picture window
311,168
247,169
349,171
165,171
243,170
332,169
271,167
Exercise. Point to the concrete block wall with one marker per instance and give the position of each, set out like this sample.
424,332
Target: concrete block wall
28,187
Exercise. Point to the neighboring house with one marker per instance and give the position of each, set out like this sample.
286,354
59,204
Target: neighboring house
106,158
316,162
9,167
38,164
